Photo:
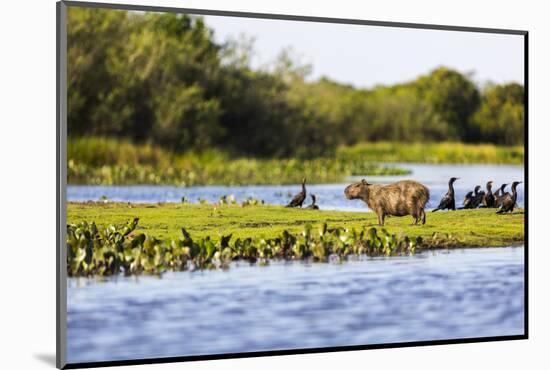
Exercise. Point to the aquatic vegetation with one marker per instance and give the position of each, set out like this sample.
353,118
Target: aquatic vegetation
440,152
175,236
98,250
251,201
100,161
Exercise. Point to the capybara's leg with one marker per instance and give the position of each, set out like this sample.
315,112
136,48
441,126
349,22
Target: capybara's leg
423,217
416,216
381,217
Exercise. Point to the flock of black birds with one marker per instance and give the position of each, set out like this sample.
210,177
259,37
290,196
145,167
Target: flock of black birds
504,201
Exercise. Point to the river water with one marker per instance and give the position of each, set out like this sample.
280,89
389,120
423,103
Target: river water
329,196
432,295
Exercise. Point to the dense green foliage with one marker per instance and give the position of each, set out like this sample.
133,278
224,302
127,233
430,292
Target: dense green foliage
108,162
162,79
499,114
100,240
93,250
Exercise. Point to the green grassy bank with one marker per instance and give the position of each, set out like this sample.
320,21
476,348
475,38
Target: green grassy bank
471,228
109,161
113,238
438,153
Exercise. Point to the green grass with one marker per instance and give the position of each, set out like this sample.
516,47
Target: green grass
465,228
444,152
102,161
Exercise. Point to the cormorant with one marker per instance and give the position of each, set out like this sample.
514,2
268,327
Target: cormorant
468,200
508,202
499,195
448,200
489,200
478,196
299,198
312,205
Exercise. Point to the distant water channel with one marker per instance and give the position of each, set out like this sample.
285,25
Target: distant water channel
329,196
432,295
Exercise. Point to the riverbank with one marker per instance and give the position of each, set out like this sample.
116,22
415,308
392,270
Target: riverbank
434,153
105,238
101,161
479,227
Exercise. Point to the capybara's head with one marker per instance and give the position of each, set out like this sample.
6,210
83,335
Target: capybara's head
359,190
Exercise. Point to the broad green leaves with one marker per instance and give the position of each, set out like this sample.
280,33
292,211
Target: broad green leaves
93,250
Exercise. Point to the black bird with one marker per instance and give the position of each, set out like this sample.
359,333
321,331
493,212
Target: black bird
489,200
448,200
312,205
478,196
499,195
468,200
299,198
508,201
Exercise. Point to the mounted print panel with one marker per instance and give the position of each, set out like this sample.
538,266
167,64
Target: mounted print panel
236,184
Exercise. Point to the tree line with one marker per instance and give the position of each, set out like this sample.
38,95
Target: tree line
163,79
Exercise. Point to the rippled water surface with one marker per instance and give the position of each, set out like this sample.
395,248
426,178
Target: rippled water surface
433,295
329,196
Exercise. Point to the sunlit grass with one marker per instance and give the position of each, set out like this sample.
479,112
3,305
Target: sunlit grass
472,228
444,152
102,161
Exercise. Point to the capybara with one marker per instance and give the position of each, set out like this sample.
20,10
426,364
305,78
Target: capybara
398,199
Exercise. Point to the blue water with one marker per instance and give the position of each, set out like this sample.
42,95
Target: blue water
329,196
432,295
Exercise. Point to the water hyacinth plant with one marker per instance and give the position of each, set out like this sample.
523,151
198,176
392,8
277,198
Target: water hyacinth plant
93,250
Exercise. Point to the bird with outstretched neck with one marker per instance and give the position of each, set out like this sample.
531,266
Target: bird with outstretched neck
448,200
500,194
508,201
489,199
299,198
313,200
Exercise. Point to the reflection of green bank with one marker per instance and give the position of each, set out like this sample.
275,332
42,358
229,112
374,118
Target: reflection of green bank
111,161
469,228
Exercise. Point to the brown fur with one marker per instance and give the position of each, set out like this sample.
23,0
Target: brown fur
398,199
